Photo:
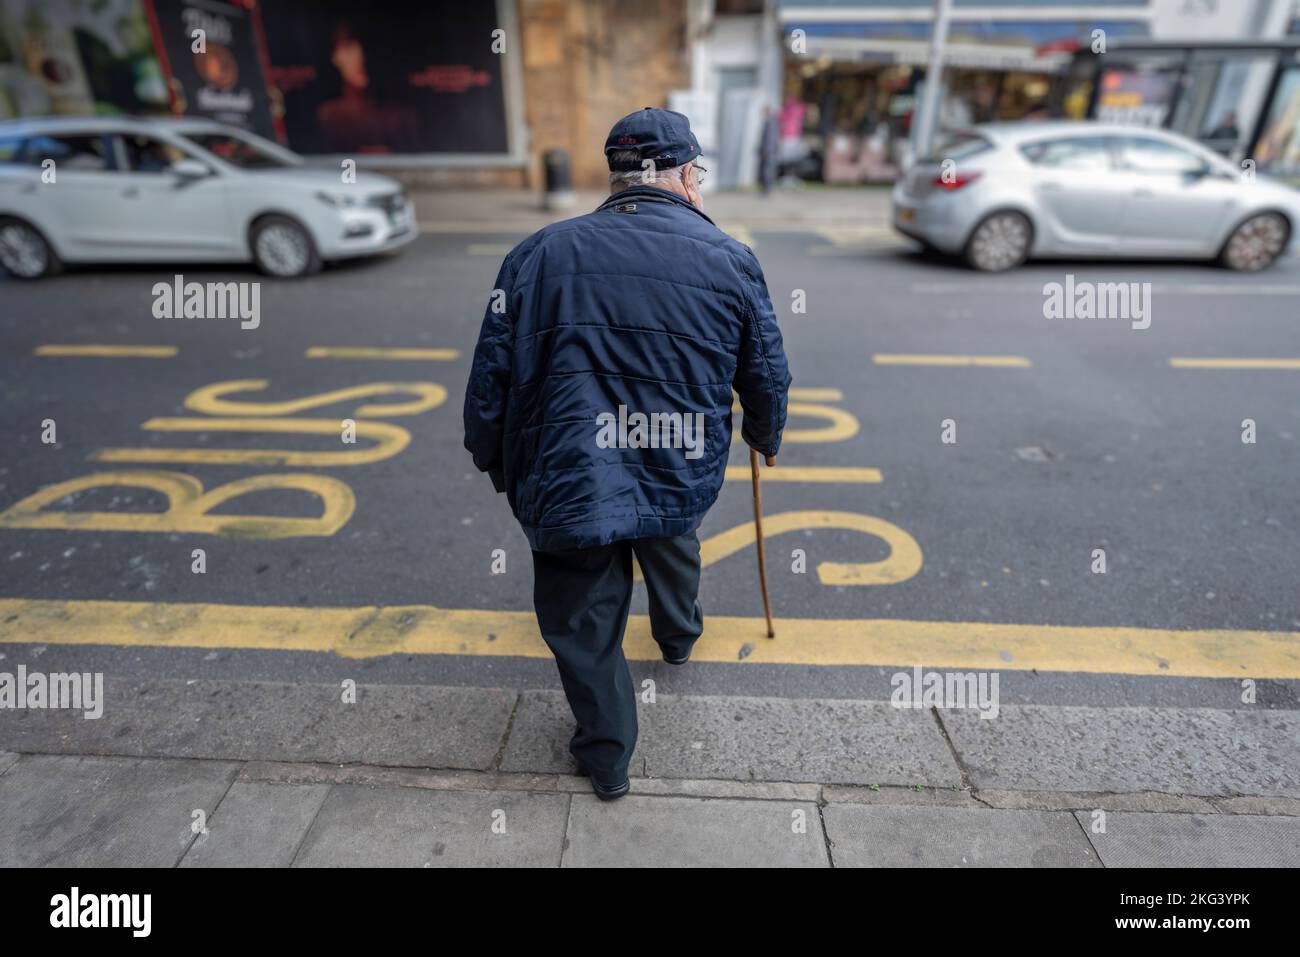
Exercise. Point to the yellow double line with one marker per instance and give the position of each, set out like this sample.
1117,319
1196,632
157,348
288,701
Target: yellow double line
370,631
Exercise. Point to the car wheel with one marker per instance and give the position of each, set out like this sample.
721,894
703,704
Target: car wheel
282,247
1000,241
1256,243
24,253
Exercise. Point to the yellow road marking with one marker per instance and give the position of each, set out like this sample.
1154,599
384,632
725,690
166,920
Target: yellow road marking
368,632
211,399
809,394
364,352
807,473
1235,363
109,352
389,440
809,402
914,359
903,561
188,506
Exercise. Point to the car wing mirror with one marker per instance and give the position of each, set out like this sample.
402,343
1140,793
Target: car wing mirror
189,169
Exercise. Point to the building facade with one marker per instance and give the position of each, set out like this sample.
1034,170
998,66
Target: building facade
477,94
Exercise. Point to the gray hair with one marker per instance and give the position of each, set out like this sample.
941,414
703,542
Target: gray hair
646,176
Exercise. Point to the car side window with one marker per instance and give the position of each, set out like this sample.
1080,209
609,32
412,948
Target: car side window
87,153
1141,154
145,154
1087,153
11,149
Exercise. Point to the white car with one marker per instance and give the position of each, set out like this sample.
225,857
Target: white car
1006,192
105,190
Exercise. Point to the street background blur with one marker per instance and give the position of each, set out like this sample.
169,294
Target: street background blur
839,81
1077,508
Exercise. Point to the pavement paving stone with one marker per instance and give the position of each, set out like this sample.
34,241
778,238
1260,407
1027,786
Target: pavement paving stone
865,836
75,811
751,739
1135,839
646,831
361,826
257,825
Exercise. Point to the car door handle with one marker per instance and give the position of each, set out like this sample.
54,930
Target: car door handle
1051,187
131,192
1144,192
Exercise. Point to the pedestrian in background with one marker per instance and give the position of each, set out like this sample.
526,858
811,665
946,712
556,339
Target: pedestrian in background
769,143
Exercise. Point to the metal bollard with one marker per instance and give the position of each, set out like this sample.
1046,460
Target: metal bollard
559,185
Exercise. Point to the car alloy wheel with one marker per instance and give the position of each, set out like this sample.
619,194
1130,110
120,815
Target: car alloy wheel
1256,243
283,249
22,250
999,242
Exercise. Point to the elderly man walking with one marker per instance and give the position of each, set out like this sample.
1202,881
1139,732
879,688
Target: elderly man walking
600,402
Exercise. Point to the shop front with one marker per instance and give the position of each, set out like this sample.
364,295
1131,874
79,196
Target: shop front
386,84
858,81
1238,97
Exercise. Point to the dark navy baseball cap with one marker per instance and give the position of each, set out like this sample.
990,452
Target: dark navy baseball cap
660,135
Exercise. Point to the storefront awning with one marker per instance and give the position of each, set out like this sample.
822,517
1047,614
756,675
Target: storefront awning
1039,46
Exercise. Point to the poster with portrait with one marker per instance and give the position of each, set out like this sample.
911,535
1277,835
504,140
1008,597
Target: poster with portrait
376,79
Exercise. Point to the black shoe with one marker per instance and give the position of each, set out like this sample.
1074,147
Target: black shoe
678,661
606,792
610,793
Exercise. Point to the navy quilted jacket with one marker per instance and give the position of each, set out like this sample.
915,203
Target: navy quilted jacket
638,311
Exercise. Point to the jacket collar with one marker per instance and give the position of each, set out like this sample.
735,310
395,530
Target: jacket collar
652,193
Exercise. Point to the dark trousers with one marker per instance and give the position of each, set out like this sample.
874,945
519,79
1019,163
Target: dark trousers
582,599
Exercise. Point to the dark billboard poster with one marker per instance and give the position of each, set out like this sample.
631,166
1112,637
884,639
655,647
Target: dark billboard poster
216,73
387,78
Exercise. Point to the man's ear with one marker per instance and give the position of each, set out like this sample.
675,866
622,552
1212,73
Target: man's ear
692,189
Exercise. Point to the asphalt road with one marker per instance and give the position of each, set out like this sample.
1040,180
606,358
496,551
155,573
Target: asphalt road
1086,436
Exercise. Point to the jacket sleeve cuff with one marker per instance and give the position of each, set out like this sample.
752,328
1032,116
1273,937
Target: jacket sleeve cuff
498,477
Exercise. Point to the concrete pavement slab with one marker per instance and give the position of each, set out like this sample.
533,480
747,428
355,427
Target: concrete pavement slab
272,772
7,758
361,826
926,797
1089,800
874,836
1194,751
396,725
640,831
751,739
1286,807
257,825
66,811
1136,839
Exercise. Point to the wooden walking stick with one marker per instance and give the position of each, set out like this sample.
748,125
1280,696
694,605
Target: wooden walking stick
758,533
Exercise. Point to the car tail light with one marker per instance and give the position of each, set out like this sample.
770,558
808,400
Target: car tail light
957,182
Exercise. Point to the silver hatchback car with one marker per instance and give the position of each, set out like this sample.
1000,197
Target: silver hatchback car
1002,193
